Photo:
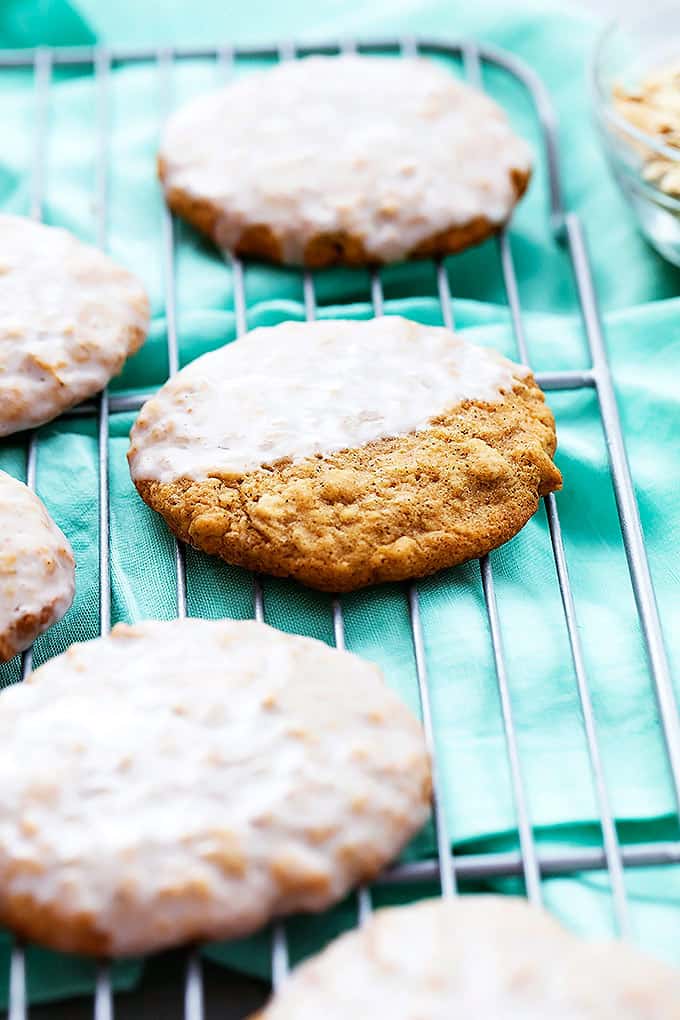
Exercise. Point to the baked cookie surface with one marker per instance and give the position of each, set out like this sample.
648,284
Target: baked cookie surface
69,317
345,453
350,159
473,957
37,571
191,779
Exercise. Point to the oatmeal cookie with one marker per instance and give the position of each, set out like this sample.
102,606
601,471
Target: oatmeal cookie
69,317
472,957
191,779
345,453
37,571
350,159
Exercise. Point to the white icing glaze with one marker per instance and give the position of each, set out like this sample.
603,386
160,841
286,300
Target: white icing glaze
187,779
299,389
37,572
69,317
476,958
391,151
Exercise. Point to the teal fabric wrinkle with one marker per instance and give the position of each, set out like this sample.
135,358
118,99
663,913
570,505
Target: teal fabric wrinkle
637,291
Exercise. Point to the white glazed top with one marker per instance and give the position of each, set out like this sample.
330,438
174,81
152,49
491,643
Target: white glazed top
69,317
475,958
191,778
299,389
391,151
37,571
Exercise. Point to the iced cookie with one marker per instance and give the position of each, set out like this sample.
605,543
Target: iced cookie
471,958
344,453
191,779
37,572
69,317
351,159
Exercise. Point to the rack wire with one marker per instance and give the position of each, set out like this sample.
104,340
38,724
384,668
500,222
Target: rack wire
529,863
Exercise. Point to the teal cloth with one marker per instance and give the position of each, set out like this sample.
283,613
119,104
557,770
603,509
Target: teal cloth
638,294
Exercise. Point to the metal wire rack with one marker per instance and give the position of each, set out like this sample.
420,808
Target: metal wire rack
528,862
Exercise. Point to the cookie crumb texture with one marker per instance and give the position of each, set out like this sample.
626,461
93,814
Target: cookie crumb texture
69,317
473,957
430,491
189,780
350,159
37,571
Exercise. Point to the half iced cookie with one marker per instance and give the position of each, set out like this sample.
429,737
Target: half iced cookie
345,453
351,159
193,779
69,317
37,571
475,957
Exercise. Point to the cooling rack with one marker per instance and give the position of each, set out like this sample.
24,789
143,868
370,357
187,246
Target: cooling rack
528,862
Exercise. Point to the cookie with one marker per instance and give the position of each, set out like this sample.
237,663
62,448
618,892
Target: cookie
350,159
37,571
69,317
345,453
191,779
477,956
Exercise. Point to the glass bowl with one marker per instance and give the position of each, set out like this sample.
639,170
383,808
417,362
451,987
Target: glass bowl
635,78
